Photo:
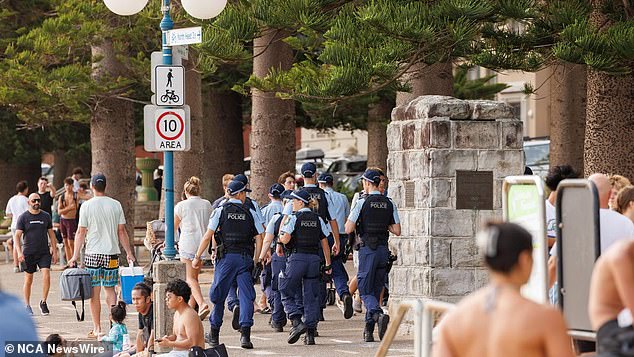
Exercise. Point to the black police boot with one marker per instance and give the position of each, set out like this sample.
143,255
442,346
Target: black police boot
213,338
245,338
298,329
368,332
309,339
382,322
321,315
235,321
347,306
277,327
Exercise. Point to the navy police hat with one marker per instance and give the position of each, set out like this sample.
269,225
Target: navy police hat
286,194
242,178
309,169
236,187
372,176
301,195
325,178
276,190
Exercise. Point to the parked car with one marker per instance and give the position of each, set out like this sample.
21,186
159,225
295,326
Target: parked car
47,171
537,156
348,167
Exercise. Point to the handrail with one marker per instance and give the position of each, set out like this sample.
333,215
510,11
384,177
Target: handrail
423,325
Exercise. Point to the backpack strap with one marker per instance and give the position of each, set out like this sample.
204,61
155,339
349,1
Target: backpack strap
82,294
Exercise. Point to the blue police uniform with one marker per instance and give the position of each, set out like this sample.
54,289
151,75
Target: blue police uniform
269,211
373,215
232,298
341,208
307,230
235,227
278,264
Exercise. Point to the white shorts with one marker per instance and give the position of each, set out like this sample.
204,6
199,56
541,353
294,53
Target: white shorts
174,353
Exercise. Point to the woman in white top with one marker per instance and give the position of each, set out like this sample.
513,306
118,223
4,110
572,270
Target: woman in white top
192,216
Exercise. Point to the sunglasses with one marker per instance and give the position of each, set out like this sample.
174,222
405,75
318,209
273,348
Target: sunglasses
35,200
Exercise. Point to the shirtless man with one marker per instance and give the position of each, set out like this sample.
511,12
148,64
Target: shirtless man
610,293
188,330
496,320
67,209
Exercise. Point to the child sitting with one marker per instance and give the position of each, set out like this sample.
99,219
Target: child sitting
118,330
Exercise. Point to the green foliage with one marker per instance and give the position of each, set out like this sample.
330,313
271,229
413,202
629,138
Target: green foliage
480,88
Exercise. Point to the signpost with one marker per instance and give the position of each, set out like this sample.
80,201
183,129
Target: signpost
523,203
170,85
166,129
186,36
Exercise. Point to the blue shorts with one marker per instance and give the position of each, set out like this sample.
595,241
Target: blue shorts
103,269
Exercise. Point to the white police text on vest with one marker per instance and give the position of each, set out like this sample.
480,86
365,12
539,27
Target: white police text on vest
308,224
379,205
237,216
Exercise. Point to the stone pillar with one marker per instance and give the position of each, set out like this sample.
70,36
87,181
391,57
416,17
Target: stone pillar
447,160
147,192
164,272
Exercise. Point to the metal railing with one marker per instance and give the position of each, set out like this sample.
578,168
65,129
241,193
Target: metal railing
423,325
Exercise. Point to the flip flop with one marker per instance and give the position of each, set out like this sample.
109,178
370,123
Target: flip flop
92,335
204,313
265,311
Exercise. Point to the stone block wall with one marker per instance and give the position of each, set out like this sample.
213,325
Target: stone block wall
429,139
145,212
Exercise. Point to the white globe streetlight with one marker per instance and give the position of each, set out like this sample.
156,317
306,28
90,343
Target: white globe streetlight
204,9
125,7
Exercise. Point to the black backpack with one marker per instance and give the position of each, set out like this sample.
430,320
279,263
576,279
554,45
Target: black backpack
218,351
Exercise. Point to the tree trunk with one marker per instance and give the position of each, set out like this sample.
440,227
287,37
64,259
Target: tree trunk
189,163
610,116
567,114
223,144
435,79
112,135
273,119
12,173
378,118
61,168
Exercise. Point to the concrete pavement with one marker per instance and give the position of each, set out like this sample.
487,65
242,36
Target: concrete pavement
338,336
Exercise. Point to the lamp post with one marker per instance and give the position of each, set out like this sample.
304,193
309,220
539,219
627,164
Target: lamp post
201,9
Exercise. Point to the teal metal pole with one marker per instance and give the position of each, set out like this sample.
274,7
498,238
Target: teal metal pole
168,156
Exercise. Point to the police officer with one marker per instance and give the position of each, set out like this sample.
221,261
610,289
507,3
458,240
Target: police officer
373,218
341,207
304,234
232,299
326,212
233,228
272,209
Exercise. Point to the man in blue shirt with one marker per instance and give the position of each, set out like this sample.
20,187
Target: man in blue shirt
270,210
233,228
341,207
373,218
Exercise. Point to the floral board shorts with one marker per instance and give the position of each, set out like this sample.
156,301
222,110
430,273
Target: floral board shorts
103,269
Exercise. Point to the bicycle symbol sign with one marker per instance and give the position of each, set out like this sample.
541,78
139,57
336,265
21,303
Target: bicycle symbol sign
169,129
170,85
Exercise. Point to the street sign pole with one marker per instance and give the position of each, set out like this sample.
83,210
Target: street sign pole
168,156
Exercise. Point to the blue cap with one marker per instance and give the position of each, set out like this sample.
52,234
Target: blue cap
242,178
372,176
286,194
98,178
301,195
276,190
236,187
309,169
325,178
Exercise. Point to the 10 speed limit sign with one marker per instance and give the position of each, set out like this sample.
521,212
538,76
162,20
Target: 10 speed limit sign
166,129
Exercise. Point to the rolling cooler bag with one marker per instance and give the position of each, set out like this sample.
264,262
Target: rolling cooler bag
75,285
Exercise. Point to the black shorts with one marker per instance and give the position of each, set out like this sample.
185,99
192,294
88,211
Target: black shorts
32,261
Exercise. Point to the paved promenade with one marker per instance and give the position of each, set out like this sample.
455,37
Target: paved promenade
337,336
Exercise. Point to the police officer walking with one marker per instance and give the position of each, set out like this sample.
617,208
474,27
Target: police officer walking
373,217
341,207
233,228
327,214
304,233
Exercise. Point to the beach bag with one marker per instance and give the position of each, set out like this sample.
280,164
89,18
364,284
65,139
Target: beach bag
154,234
75,285
218,351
